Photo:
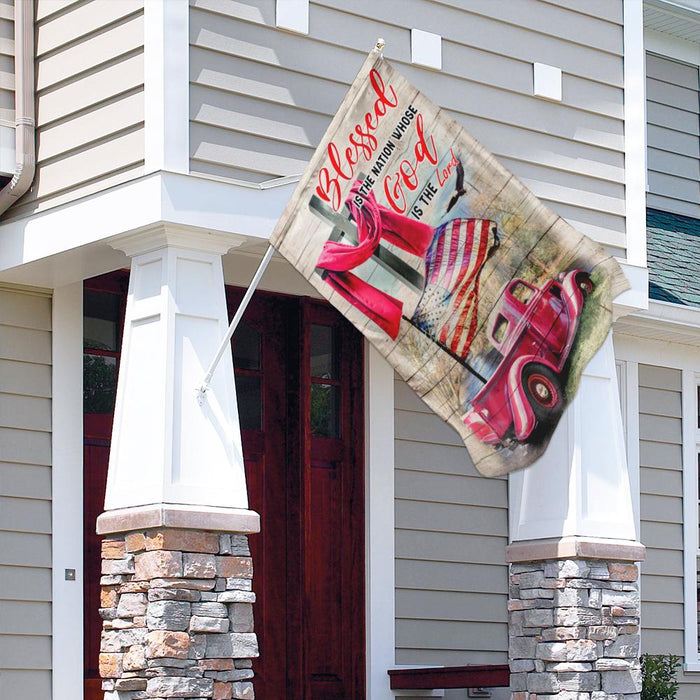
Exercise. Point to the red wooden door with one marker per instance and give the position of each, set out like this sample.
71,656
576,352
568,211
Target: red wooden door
333,505
104,303
299,384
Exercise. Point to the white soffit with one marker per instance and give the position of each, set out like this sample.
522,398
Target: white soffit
679,18
670,323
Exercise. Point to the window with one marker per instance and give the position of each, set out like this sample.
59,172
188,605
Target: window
325,384
247,361
101,336
673,146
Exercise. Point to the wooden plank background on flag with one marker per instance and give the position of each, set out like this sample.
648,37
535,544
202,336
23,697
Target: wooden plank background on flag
484,300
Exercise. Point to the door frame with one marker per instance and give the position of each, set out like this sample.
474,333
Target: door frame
355,540
300,313
67,522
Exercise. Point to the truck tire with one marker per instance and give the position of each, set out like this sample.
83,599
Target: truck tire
543,390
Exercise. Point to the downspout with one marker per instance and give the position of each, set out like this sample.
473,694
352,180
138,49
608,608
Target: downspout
24,106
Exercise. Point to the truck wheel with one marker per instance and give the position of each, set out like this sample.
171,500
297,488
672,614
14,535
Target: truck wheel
584,283
543,391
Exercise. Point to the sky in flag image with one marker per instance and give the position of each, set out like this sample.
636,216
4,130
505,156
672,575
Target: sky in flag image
487,303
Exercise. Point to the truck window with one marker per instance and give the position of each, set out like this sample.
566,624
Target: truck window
522,292
499,329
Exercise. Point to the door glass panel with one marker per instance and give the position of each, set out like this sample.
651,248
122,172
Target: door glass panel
249,401
99,383
246,347
325,395
324,355
100,320
325,404
247,359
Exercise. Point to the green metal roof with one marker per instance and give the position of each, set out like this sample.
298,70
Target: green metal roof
673,257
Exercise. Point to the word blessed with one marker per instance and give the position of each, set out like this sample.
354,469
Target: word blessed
362,143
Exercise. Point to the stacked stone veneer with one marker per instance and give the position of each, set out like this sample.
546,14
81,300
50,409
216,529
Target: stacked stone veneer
177,616
574,630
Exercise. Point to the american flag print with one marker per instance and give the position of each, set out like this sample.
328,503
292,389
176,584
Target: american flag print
448,308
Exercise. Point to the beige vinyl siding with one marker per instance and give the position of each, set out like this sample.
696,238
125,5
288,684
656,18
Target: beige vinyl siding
673,136
451,533
7,63
261,98
25,494
90,100
661,512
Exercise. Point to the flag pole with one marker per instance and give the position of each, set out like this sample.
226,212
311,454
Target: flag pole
201,390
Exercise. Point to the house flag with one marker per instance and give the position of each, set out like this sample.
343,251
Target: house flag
487,303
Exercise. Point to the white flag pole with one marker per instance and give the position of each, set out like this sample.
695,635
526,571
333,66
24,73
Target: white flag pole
201,390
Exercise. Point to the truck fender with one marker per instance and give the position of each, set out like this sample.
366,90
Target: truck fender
524,419
574,296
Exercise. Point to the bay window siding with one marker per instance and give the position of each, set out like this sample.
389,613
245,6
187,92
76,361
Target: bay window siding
25,495
673,136
661,510
451,527
90,100
261,98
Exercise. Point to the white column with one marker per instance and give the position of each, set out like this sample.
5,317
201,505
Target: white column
580,487
168,449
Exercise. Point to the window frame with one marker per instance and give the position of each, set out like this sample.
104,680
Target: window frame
691,521
631,351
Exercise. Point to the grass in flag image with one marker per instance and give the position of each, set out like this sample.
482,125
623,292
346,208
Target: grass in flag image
487,303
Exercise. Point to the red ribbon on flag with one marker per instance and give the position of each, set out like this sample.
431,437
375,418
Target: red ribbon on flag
374,223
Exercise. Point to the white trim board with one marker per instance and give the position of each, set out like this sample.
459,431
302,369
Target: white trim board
67,492
166,86
630,396
635,133
379,519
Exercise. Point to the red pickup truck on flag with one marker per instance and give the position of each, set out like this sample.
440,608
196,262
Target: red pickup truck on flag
534,330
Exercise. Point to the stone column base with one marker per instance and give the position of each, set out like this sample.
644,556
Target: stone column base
574,630
177,615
